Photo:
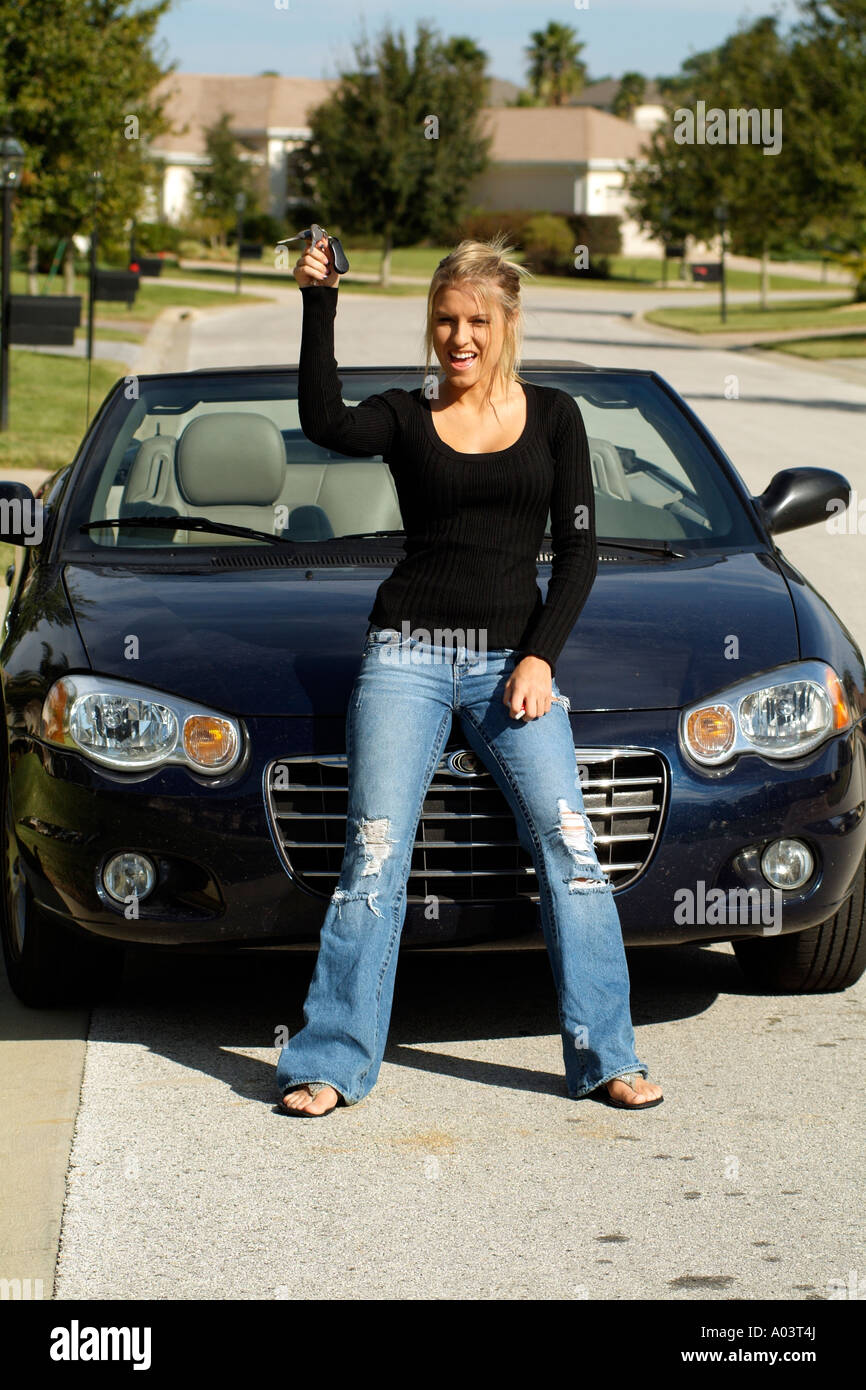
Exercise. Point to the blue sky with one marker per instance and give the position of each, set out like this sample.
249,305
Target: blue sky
299,38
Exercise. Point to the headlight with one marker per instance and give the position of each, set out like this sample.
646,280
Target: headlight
131,728
782,714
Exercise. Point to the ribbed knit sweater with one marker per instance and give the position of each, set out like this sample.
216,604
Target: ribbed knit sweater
473,523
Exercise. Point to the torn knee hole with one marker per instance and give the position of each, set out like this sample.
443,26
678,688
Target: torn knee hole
587,885
374,839
577,832
579,836
341,896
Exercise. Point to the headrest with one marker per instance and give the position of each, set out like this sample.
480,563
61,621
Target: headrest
309,523
231,456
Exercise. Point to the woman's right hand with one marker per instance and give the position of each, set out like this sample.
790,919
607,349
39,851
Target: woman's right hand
316,265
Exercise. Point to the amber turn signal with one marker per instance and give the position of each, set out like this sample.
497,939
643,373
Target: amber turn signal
208,741
711,729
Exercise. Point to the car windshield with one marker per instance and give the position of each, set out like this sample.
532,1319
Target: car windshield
228,450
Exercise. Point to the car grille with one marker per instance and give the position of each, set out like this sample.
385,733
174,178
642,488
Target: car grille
466,847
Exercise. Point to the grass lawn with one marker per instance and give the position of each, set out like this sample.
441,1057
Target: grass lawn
628,272
849,345
746,318
47,395
649,269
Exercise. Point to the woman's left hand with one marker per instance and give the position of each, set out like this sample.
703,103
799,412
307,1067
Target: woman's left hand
531,685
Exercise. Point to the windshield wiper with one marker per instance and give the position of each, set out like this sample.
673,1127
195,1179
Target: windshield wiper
225,528
365,535
191,523
665,548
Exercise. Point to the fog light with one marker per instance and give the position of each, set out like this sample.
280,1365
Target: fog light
787,863
127,874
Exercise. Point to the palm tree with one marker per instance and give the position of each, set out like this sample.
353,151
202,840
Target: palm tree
555,67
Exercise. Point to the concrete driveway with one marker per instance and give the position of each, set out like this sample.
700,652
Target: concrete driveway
467,1173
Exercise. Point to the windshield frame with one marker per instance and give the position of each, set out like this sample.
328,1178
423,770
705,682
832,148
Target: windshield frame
117,405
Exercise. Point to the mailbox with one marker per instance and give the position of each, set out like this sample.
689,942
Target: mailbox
146,265
117,285
44,320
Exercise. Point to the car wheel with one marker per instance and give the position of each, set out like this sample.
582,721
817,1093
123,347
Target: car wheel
823,958
47,966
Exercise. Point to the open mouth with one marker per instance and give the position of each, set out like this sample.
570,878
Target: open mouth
462,359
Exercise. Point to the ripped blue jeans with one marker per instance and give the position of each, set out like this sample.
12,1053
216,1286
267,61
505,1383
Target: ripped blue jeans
397,724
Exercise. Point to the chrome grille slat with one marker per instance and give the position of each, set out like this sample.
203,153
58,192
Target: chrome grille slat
489,863
461,844
453,873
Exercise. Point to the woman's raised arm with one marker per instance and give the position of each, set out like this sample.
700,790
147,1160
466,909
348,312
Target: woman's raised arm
367,428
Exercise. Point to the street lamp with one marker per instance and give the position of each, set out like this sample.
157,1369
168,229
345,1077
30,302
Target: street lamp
722,219
240,205
95,178
11,164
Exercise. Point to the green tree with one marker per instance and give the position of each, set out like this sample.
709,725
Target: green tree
217,184
395,147
630,94
750,71
555,67
828,132
76,86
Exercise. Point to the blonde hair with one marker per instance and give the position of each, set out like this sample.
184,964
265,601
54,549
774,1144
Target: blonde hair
483,269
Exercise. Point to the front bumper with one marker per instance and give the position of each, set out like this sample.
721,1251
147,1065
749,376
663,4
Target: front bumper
223,880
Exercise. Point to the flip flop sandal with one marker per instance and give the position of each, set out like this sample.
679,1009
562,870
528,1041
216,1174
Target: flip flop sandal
628,1078
314,1087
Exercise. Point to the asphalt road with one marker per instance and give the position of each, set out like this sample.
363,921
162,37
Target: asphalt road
467,1173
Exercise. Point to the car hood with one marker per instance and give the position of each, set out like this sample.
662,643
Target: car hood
285,641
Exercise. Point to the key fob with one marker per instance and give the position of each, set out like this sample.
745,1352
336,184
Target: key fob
341,265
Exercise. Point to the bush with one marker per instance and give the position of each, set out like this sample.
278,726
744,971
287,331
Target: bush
602,236
261,227
548,245
600,232
483,226
153,237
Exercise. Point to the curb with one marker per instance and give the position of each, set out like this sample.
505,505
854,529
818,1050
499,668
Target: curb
166,346
43,1058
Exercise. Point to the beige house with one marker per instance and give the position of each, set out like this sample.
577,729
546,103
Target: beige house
561,159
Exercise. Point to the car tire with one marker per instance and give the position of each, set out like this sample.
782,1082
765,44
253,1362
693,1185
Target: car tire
47,966
821,959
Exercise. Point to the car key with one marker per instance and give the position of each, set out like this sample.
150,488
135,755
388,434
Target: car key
314,234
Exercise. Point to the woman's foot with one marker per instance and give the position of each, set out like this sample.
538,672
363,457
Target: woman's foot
301,1099
634,1096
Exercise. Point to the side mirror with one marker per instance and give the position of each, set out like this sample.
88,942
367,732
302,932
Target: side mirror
21,515
800,497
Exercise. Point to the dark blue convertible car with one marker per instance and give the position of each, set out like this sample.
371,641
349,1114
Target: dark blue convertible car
186,614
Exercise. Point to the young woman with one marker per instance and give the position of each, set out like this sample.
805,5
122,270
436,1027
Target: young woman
476,468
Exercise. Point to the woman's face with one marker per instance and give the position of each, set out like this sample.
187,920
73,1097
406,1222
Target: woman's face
462,326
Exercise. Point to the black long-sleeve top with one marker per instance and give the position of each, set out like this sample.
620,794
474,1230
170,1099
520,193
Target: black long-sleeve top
473,523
